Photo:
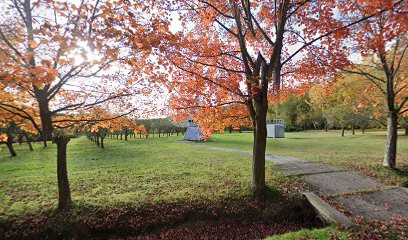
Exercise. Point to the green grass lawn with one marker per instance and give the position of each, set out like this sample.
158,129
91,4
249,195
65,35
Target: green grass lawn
137,186
325,233
361,152
159,186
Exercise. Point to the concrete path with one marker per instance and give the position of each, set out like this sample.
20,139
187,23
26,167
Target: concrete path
356,193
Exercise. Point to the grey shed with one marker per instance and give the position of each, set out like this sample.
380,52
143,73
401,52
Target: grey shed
275,128
193,132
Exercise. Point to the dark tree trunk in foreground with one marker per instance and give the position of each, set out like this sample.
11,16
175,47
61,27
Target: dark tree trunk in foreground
390,155
353,130
406,131
64,192
259,148
342,131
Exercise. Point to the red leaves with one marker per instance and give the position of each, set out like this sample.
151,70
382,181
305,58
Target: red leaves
396,228
246,218
32,44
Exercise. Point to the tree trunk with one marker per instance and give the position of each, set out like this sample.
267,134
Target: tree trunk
64,192
126,134
11,148
41,95
326,127
9,143
30,146
46,117
342,131
121,136
258,159
363,129
353,130
97,139
102,146
390,155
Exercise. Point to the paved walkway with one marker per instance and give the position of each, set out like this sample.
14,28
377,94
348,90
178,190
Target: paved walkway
356,193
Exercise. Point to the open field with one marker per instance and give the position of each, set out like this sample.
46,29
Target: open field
361,152
140,186
159,188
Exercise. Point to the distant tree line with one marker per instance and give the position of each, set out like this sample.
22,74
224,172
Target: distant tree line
159,127
347,104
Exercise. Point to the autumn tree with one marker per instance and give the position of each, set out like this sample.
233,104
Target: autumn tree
350,101
97,130
382,42
7,136
241,52
68,57
51,47
12,125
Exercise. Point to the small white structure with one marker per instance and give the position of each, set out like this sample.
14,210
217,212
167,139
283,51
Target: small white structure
193,132
275,128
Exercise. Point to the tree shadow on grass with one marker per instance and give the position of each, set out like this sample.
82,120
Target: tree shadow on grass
402,172
247,217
